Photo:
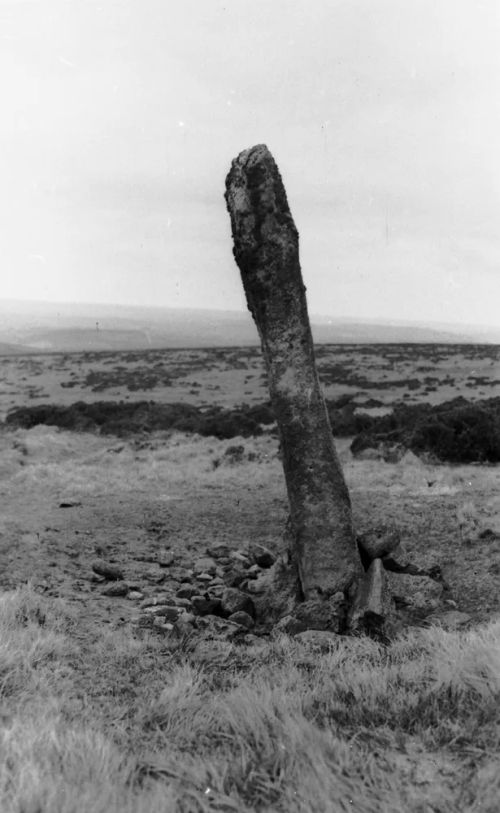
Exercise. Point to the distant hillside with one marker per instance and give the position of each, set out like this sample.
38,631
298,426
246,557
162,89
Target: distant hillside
60,327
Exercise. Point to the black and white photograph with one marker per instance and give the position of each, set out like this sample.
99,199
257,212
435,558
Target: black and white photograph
249,406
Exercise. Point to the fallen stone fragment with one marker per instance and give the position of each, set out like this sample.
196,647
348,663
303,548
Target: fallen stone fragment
233,601
254,572
260,555
377,542
115,590
205,605
243,619
107,570
135,595
372,605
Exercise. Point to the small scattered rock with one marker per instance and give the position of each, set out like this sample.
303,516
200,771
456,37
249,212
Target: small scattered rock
204,577
180,574
166,558
260,555
107,570
135,595
243,619
377,542
233,601
154,601
184,603
235,576
164,611
218,550
159,623
115,590
205,565
240,556
206,605
187,591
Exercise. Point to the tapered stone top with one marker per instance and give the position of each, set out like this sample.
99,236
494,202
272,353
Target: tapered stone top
266,240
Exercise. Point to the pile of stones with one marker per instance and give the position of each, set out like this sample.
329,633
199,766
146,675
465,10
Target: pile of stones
234,594
215,591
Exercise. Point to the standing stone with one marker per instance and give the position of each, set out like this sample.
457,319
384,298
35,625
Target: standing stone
266,249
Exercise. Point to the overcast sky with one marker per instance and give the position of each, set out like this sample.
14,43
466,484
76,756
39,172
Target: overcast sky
119,120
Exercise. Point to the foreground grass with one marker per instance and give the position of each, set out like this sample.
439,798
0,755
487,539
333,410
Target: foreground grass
130,725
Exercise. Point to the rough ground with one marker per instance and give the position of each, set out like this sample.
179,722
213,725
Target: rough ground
69,499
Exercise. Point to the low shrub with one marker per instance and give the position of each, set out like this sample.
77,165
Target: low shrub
457,431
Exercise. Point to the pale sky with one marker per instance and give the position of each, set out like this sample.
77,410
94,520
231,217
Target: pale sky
119,120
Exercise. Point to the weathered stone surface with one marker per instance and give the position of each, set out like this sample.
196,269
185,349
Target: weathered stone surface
107,570
116,589
419,593
372,604
233,601
377,542
260,555
266,249
243,619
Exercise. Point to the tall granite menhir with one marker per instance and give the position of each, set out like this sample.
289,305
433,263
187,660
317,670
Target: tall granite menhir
266,249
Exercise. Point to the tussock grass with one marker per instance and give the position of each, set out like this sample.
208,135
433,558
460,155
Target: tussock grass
275,726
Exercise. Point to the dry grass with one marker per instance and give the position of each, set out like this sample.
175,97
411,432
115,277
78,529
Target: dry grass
276,726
